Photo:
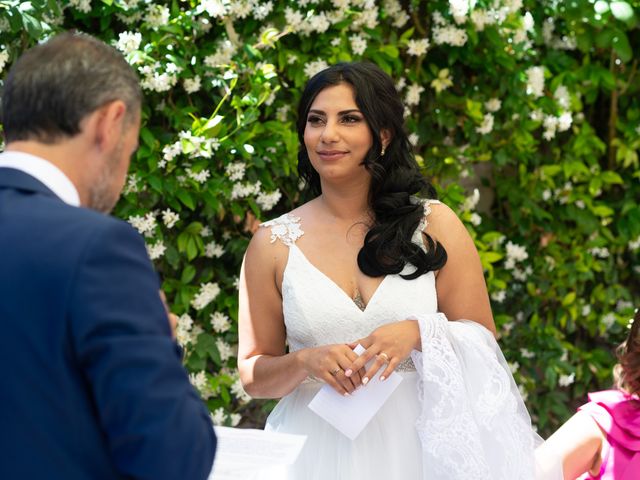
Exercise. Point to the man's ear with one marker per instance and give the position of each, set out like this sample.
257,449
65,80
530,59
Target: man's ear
108,124
385,137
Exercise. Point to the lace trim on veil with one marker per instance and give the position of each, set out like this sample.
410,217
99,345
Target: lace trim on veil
473,423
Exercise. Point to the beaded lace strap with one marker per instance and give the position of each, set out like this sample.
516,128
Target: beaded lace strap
417,235
285,228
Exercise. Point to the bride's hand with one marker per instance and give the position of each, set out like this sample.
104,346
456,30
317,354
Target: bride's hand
389,344
328,363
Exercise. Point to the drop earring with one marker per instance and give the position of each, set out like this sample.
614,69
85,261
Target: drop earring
382,152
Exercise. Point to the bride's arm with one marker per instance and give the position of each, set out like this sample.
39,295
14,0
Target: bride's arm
460,284
266,370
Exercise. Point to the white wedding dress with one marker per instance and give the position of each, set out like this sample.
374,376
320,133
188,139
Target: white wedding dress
457,414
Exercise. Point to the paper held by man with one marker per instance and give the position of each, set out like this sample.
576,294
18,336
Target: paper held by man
351,414
248,454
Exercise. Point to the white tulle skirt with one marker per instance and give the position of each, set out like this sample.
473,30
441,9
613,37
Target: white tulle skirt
387,449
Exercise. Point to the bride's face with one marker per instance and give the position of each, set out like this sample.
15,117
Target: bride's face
337,136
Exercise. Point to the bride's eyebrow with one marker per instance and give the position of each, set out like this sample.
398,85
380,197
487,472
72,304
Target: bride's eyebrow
343,112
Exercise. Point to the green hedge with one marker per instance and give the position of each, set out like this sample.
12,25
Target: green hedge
525,114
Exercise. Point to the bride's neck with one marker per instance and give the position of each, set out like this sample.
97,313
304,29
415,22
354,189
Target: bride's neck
348,205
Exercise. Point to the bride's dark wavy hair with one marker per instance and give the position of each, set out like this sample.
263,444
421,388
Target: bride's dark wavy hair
627,371
395,176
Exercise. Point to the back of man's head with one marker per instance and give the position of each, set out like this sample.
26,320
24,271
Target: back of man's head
53,86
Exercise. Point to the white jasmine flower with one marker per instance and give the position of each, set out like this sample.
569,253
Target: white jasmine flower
608,320
442,81
402,82
622,305
481,18
218,417
200,177
192,85
235,418
336,42
358,44
493,105
412,96
208,292
239,392
226,352
215,8
220,322
600,252
170,218
459,10
580,204
319,23
268,200
4,58
634,244
242,190
523,392
562,97
472,200
487,124
205,232
201,383
515,253
262,11
145,225
499,296
83,6
171,151
235,171
157,16
414,139
449,35
212,250
311,68
564,121
184,334
513,366
566,380
294,20
535,81
475,219
283,112
586,310
128,42
546,195
526,353
536,115
417,47
156,250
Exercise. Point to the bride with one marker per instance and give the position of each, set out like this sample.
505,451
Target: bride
368,261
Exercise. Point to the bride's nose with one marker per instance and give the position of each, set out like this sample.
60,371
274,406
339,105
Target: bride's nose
329,132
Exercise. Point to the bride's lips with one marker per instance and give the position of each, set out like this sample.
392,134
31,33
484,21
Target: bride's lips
331,154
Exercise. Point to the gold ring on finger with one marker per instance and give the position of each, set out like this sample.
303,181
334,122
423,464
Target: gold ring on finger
335,372
386,357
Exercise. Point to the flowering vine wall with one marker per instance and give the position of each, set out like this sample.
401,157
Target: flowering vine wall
525,114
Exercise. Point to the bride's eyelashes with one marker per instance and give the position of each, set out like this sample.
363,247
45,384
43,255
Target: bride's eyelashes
345,119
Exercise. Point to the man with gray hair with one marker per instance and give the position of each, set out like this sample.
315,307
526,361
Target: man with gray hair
92,384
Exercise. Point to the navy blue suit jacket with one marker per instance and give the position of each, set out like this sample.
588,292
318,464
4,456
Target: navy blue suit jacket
92,383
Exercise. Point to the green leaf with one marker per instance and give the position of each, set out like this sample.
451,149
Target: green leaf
188,274
186,198
611,177
621,46
568,299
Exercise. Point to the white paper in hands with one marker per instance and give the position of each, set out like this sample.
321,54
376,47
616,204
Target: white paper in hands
351,414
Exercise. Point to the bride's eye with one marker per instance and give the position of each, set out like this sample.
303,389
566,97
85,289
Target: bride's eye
314,120
351,119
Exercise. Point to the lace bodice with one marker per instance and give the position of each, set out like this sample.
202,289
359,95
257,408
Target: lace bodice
318,312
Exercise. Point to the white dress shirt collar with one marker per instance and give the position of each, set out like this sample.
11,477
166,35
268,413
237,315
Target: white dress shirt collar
44,171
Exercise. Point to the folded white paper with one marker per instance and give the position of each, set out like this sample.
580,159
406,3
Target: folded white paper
247,454
351,414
